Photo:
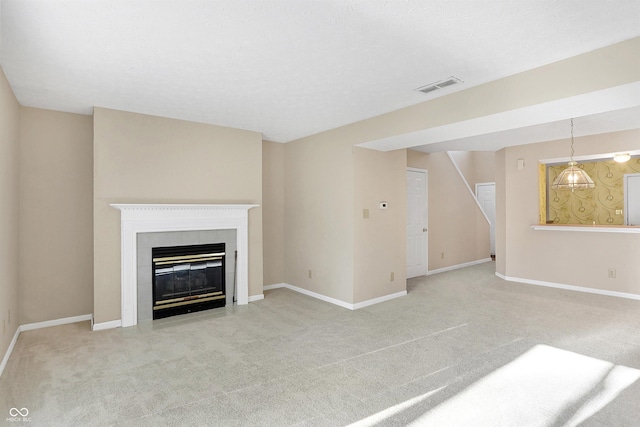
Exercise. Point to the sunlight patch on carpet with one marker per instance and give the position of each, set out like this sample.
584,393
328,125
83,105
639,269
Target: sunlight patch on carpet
393,410
544,386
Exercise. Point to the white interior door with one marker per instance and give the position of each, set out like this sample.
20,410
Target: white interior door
632,199
416,223
486,195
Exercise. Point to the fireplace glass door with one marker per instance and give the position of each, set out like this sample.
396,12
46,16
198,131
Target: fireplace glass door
188,278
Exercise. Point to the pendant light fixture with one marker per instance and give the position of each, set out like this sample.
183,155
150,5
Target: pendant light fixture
573,177
622,157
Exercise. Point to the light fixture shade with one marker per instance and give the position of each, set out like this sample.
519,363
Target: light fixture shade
573,178
621,158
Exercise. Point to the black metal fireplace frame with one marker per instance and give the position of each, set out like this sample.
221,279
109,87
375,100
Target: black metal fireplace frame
163,257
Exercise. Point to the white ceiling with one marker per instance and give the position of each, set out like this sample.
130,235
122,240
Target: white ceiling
290,68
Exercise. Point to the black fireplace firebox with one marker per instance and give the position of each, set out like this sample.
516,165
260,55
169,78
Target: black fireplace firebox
187,279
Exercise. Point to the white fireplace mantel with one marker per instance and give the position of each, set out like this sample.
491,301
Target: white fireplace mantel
151,218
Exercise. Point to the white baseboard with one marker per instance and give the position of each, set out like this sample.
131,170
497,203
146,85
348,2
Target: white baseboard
118,323
57,322
457,266
106,325
320,296
40,325
379,300
569,287
335,301
5,359
276,286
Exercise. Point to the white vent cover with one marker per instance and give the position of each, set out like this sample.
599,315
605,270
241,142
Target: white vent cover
439,85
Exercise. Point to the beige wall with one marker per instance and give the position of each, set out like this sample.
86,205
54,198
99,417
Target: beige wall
147,159
475,166
457,226
464,161
318,215
56,215
273,211
502,224
484,166
9,213
571,258
379,240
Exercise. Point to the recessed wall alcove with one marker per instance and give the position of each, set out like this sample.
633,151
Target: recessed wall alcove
153,218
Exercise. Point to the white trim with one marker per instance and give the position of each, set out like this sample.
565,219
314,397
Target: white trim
57,322
333,300
5,360
258,297
457,266
455,165
484,183
625,178
275,286
378,300
107,325
40,325
319,296
148,218
587,228
570,287
417,169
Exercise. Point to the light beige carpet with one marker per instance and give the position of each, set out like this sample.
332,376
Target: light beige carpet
463,348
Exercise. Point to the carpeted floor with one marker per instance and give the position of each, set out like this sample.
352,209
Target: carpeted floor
463,348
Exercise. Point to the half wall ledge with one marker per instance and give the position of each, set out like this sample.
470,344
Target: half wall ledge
588,228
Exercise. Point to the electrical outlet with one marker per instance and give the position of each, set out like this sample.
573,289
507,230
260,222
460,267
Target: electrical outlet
612,273
365,213
442,255
310,274
392,276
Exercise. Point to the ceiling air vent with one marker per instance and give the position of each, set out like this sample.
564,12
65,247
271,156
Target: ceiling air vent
439,85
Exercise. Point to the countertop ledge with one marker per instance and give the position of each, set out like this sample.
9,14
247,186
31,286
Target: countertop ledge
587,228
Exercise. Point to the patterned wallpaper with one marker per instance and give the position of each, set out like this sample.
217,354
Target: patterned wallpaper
598,204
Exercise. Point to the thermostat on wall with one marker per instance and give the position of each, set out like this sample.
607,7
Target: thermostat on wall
383,205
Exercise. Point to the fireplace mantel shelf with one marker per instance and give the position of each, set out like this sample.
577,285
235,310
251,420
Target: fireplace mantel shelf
133,211
149,218
171,206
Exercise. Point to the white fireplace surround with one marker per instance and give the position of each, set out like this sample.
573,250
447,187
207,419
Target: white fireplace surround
151,218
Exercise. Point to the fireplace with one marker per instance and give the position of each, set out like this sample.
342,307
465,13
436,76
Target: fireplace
187,279
151,218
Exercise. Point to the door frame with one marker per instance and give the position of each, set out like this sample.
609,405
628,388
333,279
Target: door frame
426,214
625,179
